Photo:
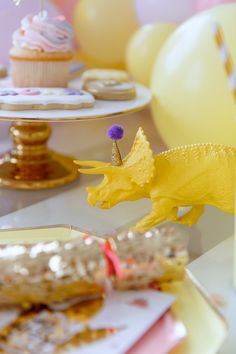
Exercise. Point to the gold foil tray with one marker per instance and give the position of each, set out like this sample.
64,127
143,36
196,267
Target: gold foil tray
40,234
206,328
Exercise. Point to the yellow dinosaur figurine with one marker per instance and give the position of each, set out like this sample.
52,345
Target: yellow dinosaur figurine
194,175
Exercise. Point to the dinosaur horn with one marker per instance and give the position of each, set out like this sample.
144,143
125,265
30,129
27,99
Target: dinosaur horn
96,171
90,163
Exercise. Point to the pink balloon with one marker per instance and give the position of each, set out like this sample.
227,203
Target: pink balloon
66,7
10,17
149,11
205,4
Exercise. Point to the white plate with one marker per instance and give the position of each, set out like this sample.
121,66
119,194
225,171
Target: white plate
102,109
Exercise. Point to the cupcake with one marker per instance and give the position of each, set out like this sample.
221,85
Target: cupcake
42,51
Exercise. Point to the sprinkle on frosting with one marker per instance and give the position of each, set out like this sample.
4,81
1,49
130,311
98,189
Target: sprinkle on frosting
8,93
44,34
73,92
32,91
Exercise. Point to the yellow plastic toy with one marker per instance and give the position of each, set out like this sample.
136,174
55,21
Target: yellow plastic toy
193,175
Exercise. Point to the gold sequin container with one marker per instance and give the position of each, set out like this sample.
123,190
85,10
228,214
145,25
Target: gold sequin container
157,255
80,268
52,272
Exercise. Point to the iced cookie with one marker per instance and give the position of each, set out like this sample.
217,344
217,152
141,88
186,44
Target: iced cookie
19,99
3,72
105,74
108,84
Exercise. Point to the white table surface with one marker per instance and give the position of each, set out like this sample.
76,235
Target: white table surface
214,270
87,140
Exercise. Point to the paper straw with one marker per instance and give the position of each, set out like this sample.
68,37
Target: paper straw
225,57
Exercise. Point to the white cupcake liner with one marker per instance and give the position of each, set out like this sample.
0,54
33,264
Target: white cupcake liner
39,73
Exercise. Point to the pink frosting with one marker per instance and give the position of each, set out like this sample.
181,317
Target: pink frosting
30,92
44,34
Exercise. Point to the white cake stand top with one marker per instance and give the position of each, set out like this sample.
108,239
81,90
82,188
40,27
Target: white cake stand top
102,109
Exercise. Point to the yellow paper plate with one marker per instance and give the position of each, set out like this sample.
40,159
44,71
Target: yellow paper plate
206,327
40,234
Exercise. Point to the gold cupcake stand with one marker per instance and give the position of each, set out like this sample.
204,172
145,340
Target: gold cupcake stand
30,164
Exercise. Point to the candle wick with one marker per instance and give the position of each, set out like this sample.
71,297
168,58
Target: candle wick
42,7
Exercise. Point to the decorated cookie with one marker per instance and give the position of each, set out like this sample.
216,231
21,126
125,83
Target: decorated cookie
19,99
110,90
3,71
105,74
108,84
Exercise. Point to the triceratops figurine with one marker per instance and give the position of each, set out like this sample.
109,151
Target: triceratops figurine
194,175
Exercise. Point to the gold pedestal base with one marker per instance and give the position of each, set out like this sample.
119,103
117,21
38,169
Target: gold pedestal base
30,165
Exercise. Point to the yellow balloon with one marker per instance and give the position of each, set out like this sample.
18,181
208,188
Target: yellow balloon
91,62
143,48
193,102
103,28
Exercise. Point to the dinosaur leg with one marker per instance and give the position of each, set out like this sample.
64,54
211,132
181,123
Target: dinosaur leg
161,211
173,216
191,217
